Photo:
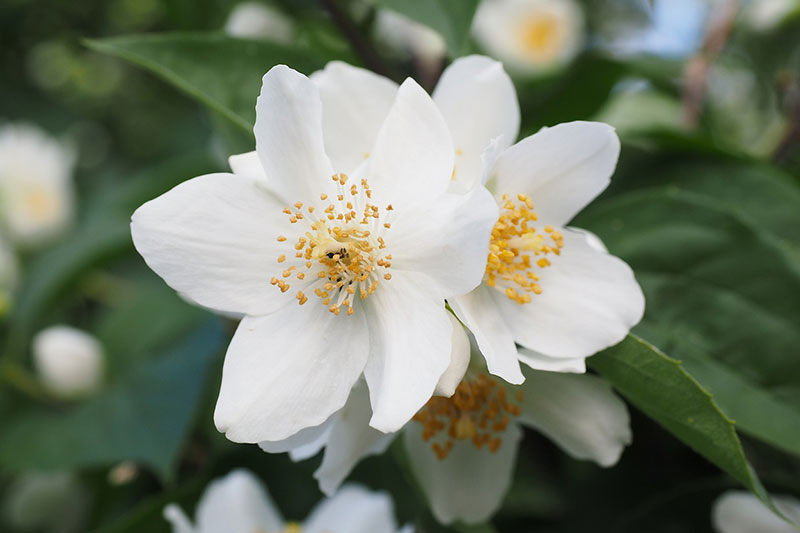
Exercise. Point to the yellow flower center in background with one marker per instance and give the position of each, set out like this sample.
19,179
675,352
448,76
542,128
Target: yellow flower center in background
514,249
540,36
293,527
342,249
477,411
40,204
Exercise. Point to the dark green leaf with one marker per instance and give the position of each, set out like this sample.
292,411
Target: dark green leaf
143,416
222,72
663,390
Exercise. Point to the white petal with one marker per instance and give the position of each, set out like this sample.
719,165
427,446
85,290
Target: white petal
351,439
289,138
302,445
248,164
449,242
353,509
355,102
590,300
539,361
580,413
238,503
410,347
562,168
479,103
470,483
738,511
213,238
459,361
411,161
178,519
288,371
481,315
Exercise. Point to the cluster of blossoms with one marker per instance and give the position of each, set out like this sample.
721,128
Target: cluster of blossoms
403,266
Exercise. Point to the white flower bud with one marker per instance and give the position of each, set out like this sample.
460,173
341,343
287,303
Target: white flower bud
69,361
407,36
253,20
36,190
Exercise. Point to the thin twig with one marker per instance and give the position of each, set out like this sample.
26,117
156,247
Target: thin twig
696,72
356,38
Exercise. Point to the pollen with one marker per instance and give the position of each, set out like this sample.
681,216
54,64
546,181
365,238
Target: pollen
517,249
479,411
340,248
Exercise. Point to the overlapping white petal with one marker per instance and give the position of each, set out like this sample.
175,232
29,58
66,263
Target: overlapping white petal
459,361
278,378
561,168
213,238
478,102
410,348
289,138
580,413
355,102
589,301
470,483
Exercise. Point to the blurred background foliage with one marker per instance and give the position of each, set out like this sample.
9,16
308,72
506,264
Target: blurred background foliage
705,206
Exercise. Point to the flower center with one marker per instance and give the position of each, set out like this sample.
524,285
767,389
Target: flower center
340,255
478,411
514,247
540,35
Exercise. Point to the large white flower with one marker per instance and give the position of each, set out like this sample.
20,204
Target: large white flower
346,212
36,189
473,434
530,36
739,511
239,503
546,287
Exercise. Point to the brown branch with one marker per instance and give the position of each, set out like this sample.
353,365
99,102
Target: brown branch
696,72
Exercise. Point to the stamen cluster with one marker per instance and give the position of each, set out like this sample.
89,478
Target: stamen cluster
514,245
477,411
342,250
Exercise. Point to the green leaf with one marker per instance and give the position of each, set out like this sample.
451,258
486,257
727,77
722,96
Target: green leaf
451,18
142,416
221,72
664,391
720,288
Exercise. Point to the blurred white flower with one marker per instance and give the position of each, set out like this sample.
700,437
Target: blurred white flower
763,15
36,189
409,37
546,287
530,36
473,435
9,270
55,502
256,20
69,361
239,503
741,512
375,253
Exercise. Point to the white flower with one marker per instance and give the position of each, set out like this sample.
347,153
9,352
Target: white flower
546,287
239,503
255,20
45,501
763,15
741,512
473,435
9,270
530,36
367,235
69,361
408,36
36,190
